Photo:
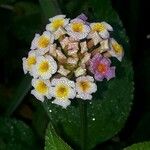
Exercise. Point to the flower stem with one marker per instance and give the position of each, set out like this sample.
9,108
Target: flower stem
83,120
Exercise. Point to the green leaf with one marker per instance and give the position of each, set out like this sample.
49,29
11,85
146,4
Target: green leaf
139,146
142,130
4,2
53,141
15,135
40,120
24,27
21,91
94,122
50,8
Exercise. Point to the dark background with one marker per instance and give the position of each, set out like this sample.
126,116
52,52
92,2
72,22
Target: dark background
16,32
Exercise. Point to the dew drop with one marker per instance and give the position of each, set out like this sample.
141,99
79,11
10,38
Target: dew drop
93,119
148,36
50,110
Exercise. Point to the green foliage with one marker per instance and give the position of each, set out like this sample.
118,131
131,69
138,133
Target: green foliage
142,131
40,120
15,135
50,8
106,114
4,2
139,146
53,141
24,27
21,92
83,124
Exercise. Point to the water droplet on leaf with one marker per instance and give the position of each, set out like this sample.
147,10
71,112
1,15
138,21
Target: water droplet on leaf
93,119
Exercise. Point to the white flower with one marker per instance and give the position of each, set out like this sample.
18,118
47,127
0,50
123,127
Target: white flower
102,28
57,22
77,29
63,89
116,49
79,71
86,58
41,89
72,60
42,42
104,45
95,37
85,86
83,46
64,42
63,71
60,56
60,32
45,67
52,50
29,62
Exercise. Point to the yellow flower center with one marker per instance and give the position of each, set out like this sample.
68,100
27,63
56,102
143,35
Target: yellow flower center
44,67
117,48
43,41
31,60
62,91
84,85
41,87
99,27
77,27
58,23
102,68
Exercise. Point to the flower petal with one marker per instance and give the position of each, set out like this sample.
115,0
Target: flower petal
110,73
63,103
108,26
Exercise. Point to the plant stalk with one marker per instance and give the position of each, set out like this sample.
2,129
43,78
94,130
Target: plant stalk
83,120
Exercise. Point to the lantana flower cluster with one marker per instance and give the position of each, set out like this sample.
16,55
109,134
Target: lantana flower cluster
68,59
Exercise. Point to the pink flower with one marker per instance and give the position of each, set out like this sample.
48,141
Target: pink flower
100,67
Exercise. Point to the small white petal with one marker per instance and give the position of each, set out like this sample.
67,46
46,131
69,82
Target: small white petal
59,33
63,103
56,17
86,58
79,71
25,68
95,37
60,55
37,95
104,34
64,42
83,46
63,71
104,46
33,43
52,50
72,61
108,26
84,96
72,93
